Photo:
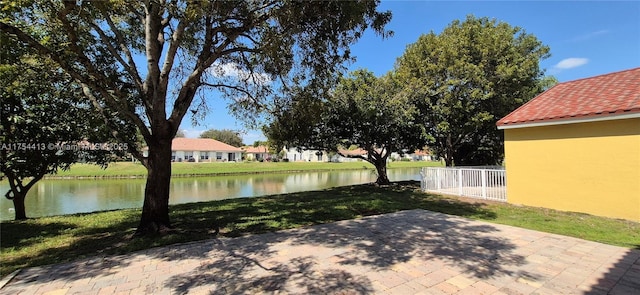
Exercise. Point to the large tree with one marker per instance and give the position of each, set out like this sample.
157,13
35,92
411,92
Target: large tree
170,52
466,78
363,110
227,136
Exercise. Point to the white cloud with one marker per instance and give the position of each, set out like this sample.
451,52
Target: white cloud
589,36
233,70
570,63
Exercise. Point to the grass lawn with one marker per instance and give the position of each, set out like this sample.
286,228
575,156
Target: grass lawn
124,169
63,238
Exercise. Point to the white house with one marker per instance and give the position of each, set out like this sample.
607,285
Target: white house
293,154
421,155
202,150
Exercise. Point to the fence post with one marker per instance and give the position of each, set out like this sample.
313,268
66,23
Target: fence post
483,174
460,182
504,184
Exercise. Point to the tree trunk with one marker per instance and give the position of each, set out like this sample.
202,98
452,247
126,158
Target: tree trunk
18,205
155,210
18,192
448,152
448,159
381,168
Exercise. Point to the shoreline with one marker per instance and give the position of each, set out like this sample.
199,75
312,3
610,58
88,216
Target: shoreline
128,170
137,176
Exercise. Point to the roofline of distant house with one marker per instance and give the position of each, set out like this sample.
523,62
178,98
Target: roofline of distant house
570,121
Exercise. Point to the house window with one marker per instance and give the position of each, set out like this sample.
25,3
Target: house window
204,155
219,156
173,156
188,156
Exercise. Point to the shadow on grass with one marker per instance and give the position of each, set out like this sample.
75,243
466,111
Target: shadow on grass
50,240
25,233
235,217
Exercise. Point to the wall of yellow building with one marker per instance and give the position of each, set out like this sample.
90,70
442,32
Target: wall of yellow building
583,167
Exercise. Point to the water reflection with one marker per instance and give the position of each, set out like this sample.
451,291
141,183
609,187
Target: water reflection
56,197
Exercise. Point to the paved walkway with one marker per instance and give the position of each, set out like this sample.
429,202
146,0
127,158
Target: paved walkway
409,252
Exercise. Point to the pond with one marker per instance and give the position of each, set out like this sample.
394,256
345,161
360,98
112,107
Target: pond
64,196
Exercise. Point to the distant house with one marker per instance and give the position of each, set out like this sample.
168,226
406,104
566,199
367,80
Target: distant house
576,147
256,153
417,155
421,155
202,150
343,155
294,154
396,156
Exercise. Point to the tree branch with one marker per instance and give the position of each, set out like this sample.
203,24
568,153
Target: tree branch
134,12
167,20
136,120
176,39
236,88
14,184
152,89
66,64
35,179
190,86
128,67
353,156
132,69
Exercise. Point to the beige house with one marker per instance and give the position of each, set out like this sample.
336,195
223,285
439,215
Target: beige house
202,150
256,153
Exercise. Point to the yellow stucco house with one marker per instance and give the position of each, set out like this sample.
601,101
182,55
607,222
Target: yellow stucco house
576,147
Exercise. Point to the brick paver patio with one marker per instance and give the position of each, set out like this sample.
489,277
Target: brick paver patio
409,252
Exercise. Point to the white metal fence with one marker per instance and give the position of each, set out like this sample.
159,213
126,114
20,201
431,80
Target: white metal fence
485,183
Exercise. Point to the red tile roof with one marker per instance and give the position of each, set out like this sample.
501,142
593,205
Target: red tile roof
256,150
595,97
201,144
424,152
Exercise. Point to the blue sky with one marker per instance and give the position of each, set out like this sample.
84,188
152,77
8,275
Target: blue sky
587,38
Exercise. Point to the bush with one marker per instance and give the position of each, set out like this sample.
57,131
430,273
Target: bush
285,160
